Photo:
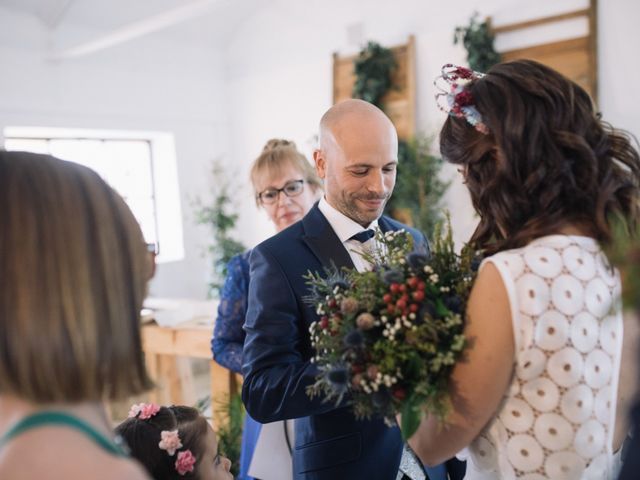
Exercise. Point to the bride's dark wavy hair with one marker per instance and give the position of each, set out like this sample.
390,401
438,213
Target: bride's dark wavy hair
547,161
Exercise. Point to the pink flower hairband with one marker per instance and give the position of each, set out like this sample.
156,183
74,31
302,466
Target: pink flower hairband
458,101
143,411
169,439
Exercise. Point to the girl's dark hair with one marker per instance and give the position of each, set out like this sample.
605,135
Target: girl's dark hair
547,161
143,437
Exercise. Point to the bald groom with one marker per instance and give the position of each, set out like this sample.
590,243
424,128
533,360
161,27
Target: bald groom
357,158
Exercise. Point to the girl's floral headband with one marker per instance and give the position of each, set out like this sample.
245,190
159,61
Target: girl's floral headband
169,439
143,411
452,97
185,460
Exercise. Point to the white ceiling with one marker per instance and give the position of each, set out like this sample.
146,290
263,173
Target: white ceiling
214,24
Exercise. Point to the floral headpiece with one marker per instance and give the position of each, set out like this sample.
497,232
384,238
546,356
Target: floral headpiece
452,97
169,439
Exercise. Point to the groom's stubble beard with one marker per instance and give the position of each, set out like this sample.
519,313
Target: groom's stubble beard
348,205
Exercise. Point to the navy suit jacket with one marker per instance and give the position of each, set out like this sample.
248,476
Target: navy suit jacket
329,442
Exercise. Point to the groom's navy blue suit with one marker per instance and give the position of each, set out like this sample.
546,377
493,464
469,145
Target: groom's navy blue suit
329,442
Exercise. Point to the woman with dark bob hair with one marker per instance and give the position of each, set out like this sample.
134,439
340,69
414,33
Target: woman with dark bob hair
535,396
74,268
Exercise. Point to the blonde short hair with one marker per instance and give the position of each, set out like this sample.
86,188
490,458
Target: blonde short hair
74,268
277,154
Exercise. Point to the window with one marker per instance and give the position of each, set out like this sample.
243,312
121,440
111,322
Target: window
140,166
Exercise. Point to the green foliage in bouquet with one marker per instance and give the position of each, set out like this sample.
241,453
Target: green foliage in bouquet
374,67
221,222
624,253
478,41
387,339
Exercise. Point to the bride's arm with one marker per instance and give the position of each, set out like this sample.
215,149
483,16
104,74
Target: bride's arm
480,379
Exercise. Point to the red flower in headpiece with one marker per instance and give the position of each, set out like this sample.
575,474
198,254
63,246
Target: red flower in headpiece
464,72
464,98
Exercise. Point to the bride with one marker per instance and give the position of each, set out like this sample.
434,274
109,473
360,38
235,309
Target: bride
535,396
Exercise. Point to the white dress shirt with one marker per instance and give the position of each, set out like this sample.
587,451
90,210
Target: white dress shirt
345,228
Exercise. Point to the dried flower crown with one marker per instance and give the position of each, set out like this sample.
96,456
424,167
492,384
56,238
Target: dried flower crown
169,439
454,99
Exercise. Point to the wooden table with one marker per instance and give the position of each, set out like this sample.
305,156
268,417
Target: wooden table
167,352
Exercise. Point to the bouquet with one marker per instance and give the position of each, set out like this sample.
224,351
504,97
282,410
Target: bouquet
387,339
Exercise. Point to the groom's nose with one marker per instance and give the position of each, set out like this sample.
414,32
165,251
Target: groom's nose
375,183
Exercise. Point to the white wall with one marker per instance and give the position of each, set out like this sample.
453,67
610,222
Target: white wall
144,85
270,78
280,70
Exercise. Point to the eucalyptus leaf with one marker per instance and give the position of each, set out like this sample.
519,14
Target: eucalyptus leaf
410,421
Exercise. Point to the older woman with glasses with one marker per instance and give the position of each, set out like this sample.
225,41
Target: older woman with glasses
286,187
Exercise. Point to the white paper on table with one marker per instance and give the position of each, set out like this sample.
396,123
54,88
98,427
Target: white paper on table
169,312
272,459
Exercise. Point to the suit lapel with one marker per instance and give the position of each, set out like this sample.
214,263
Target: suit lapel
323,241
385,225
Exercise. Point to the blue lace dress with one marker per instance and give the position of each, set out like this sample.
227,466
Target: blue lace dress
228,339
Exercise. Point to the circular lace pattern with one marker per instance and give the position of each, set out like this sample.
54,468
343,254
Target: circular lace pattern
556,419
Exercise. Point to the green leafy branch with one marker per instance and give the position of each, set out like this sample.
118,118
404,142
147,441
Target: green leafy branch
478,40
374,69
221,221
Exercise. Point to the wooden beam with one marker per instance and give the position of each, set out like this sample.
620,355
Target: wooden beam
411,85
538,51
540,21
137,29
593,49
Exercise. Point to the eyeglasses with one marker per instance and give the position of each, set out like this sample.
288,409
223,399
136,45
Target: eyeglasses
290,189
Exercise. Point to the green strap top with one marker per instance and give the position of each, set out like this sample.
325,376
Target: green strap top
60,418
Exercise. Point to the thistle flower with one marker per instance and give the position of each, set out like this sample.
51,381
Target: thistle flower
453,303
429,309
353,339
392,276
381,398
475,264
338,378
417,260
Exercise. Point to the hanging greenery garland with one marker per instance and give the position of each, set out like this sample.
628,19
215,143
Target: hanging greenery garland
417,197
374,67
478,40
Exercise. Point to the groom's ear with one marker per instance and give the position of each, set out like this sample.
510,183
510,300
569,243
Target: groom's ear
321,162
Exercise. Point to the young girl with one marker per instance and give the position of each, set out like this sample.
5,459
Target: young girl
173,442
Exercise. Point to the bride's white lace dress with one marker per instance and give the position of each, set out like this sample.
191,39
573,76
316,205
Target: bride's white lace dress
556,421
